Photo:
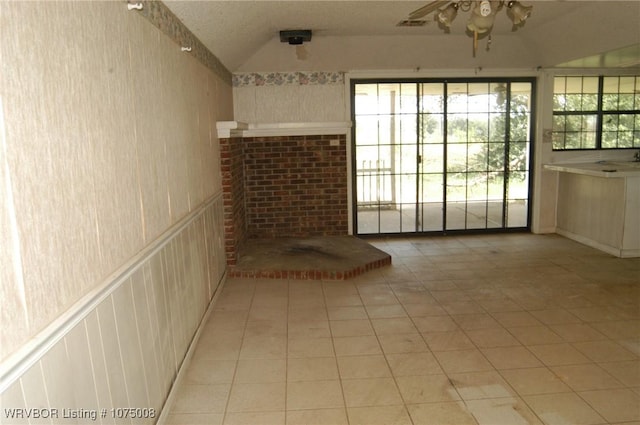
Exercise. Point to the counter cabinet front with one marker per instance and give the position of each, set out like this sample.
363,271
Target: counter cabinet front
599,211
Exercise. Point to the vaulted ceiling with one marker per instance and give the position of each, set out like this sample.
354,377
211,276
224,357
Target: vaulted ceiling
349,35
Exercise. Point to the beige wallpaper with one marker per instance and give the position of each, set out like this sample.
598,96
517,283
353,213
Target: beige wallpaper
109,139
274,97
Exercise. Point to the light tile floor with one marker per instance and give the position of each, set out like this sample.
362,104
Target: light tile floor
509,329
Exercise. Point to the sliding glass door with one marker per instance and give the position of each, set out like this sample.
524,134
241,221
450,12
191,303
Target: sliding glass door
439,156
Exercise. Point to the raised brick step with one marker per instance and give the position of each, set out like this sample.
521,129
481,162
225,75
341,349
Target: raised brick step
314,258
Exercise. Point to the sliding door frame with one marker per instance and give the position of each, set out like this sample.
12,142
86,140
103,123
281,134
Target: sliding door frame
470,80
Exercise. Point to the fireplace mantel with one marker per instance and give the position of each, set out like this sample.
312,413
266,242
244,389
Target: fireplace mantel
228,129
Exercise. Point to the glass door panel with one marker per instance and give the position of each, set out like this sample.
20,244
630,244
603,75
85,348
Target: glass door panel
441,156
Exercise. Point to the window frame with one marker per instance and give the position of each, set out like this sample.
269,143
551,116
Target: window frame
600,114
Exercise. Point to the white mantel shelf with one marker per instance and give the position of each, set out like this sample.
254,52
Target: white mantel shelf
240,129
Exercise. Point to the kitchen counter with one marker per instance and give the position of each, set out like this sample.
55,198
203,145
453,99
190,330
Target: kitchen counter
606,169
599,205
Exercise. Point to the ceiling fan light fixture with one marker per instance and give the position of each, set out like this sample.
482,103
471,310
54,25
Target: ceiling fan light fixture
517,12
447,15
479,25
481,21
484,7
483,14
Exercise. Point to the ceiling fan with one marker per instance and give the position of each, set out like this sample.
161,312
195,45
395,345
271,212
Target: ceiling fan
483,15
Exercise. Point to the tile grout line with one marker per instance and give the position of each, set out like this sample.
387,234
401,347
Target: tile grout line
435,359
235,371
384,355
335,355
286,351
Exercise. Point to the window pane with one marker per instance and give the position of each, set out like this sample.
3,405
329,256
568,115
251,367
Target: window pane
385,133
610,84
432,158
367,130
625,139
518,185
432,187
478,128
363,95
560,85
518,160
496,185
497,125
559,102
574,85
590,102
588,140
619,93
558,141
609,102
609,139
457,99
457,125
431,127
572,141
478,157
610,123
432,98
573,102
456,157
574,123
408,99
626,122
476,186
589,122
559,123
406,127
498,97
589,84
388,98
495,158
626,101
580,94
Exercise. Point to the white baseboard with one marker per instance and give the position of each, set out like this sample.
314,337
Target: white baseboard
616,252
182,371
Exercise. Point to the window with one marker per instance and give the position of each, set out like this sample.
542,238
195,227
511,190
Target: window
596,112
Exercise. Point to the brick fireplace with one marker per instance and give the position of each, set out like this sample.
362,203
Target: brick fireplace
291,184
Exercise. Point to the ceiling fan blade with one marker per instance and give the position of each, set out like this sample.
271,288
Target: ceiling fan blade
425,10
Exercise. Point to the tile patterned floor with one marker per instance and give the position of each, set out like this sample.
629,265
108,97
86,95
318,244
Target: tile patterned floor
509,329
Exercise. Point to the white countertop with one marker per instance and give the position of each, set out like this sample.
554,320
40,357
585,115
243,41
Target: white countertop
606,169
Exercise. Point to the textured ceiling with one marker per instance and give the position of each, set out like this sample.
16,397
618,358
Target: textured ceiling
234,30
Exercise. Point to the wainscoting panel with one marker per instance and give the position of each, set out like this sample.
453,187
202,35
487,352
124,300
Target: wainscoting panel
122,347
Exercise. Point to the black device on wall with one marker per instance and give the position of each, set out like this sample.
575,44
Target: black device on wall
295,37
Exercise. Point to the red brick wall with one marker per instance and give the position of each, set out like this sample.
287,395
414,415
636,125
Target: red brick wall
233,195
296,186
286,186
